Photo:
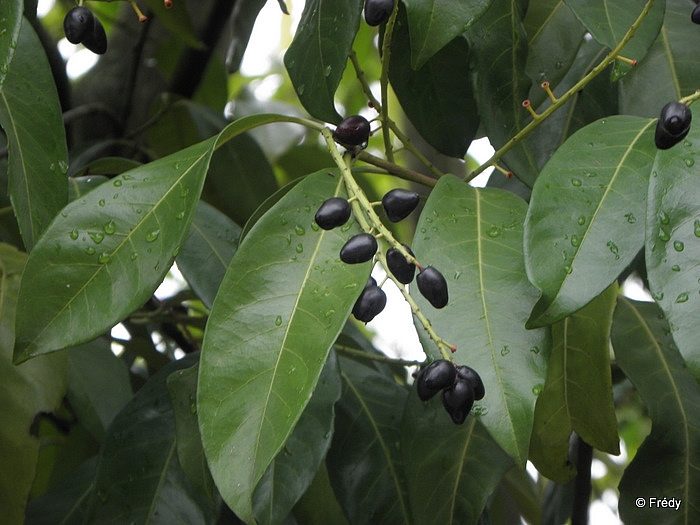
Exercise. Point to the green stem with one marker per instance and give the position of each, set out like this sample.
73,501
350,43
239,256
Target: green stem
565,97
354,352
384,83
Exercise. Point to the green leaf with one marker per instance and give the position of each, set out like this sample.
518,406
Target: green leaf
139,478
26,390
106,252
437,97
669,71
434,23
608,21
243,17
284,299
577,396
584,223
318,505
316,58
176,20
207,251
11,16
294,468
673,243
30,115
498,45
364,462
462,463
667,465
474,237
98,385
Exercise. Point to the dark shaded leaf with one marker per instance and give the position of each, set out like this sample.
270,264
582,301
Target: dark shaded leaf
11,15
243,17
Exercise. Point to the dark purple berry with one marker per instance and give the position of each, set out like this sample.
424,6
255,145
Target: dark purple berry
77,23
469,375
399,266
432,286
378,11
352,131
359,248
332,213
458,400
673,125
96,40
399,203
695,15
370,303
438,375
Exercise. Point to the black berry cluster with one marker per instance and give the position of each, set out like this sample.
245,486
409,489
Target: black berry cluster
82,27
460,386
673,125
371,302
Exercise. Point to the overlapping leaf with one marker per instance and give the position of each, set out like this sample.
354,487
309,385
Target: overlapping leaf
316,58
474,237
673,243
30,115
284,299
585,222
434,23
667,465
577,396
364,462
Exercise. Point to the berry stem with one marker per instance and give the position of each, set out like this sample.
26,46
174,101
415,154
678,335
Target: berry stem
354,352
384,83
566,96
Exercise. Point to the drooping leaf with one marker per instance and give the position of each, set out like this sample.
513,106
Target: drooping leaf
207,251
667,465
138,476
243,17
451,470
27,389
437,97
294,468
364,463
577,396
584,223
11,16
669,70
474,237
316,58
673,243
30,115
284,299
434,23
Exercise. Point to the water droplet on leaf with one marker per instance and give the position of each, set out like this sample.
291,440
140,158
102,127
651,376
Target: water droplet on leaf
678,246
97,237
74,234
152,235
682,297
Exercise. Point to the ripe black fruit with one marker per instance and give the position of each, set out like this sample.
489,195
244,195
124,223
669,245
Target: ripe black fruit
77,23
469,375
458,400
399,266
695,15
96,40
359,248
333,212
378,11
673,124
438,375
371,302
433,286
399,203
352,131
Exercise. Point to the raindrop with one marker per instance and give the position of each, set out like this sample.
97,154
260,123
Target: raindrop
345,227
103,258
299,230
576,182
678,246
663,217
696,228
657,296
581,220
101,202
682,297
480,410
330,313
575,241
494,231
327,71
180,215
676,268
97,237
278,320
535,349
613,249
664,236
314,226
568,269
630,218
283,221
300,248
689,162
537,389
300,89
110,228
133,256
90,250
505,350
291,370
457,275
117,182
152,235
74,235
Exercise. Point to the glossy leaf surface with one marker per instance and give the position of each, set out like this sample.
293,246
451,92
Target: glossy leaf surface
577,396
585,220
673,243
284,299
30,115
670,455
474,237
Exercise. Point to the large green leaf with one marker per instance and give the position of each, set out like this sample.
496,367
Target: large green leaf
11,16
434,23
673,243
364,462
585,220
667,465
451,470
26,390
437,97
474,237
294,468
284,299
316,58
30,115
669,71
577,396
